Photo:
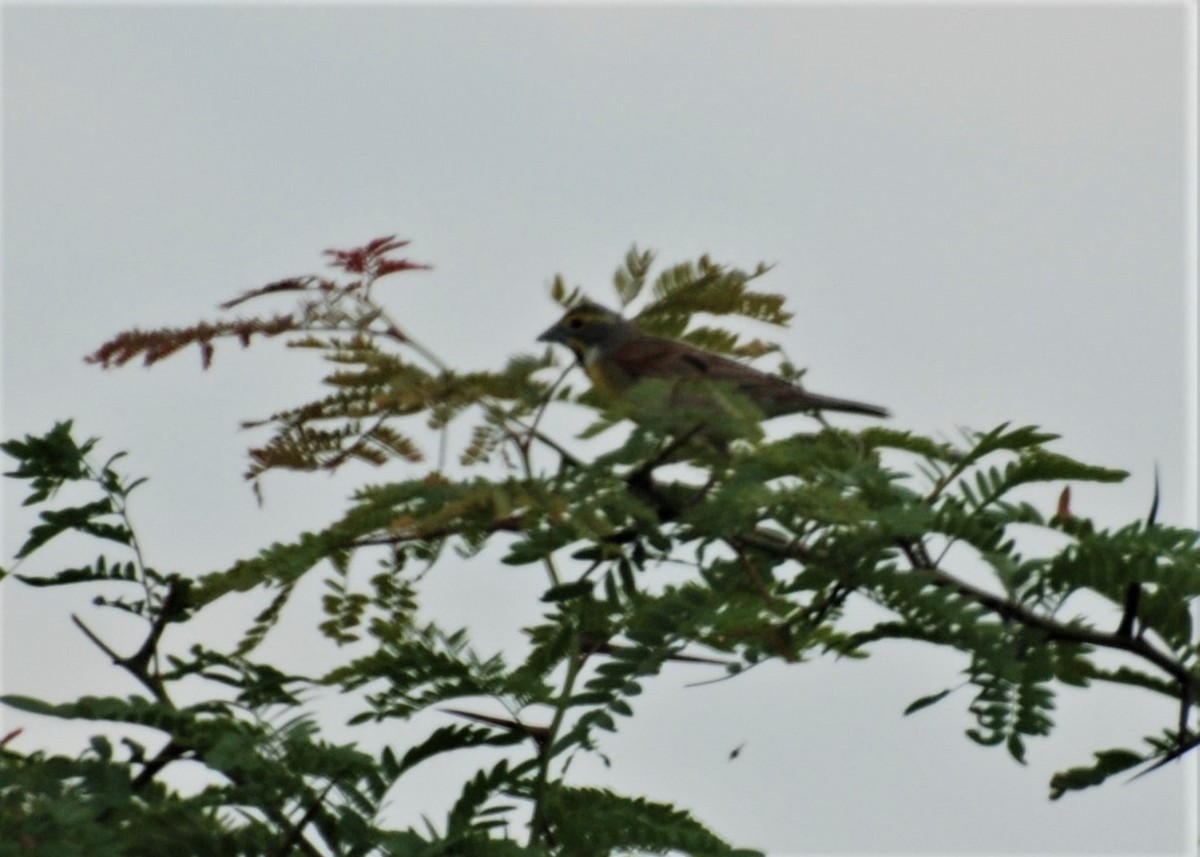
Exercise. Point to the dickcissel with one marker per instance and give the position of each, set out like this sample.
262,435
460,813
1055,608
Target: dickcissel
618,357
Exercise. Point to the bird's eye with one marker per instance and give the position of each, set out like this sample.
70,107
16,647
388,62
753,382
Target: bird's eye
575,323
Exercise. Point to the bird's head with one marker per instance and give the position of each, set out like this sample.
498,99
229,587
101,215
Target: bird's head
589,330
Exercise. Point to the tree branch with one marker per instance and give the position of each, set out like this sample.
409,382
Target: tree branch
1011,611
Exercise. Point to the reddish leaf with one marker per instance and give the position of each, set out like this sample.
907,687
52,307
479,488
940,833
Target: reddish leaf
1064,504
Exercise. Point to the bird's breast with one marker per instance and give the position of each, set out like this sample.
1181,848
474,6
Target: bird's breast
604,375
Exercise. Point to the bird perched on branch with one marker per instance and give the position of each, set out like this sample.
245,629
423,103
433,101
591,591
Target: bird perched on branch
618,358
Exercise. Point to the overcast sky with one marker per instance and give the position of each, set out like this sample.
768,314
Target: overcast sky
978,214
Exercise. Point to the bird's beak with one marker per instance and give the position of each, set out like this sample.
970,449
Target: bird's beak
552,334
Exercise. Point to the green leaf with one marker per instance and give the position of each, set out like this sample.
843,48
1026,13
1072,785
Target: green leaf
568,591
1016,748
100,570
630,278
926,701
446,739
1108,762
49,461
589,821
84,518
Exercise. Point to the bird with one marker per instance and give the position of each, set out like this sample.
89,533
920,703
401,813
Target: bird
618,357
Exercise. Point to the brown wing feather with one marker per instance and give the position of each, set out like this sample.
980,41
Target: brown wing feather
654,357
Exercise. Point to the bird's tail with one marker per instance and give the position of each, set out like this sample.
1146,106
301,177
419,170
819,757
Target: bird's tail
817,402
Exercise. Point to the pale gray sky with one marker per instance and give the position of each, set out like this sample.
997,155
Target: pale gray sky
976,211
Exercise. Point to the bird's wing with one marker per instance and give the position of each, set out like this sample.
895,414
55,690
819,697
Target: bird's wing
655,357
